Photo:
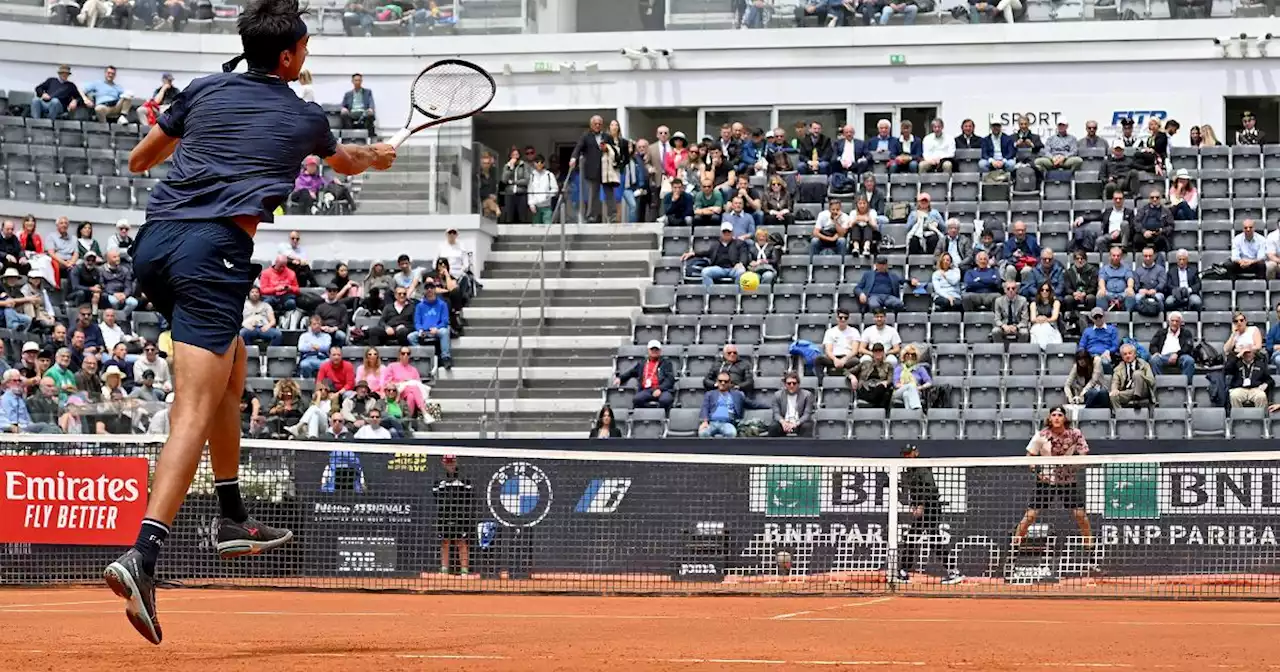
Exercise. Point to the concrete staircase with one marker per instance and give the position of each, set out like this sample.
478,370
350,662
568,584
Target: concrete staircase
590,310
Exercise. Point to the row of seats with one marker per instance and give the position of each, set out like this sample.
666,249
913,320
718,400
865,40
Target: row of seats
73,161
279,362
70,133
120,193
871,424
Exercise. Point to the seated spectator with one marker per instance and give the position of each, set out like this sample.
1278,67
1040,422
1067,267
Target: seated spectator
118,285
153,362
336,373
371,373
657,379
14,413
376,288
811,8
998,151
1153,151
46,408
1084,383
39,307
120,242
279,286
118,356
1244,336
62,372
605,425
967,139
86,282
337,429
63,12
886,335
779,157
333,315
32,246
840,346
1091,139
981,284
1153,225
910,150
829,231
1149,281
864,228
924,226
313,348
164,95
372,428
92,332
357,106
1012,315
946,284
89,379
11,248
296,257
1061,152
396,322
721,172
1183,290
1026,142
1021,253
114,333
909,377
744,225
1272,342
1133,385
958,245
792,408
323,404
937,150
175,13
306,188
876,200
1248,380
883,148
677,206
1183,197
778,203
815,150
872,381
1248,254
849,161
980,9
431,323
1115,284
356,20
1045,317
907,8
12,301
108,98
56,95
258,321
1099,338
408,277
1116,226
1047,271
1119,172
881,289
146,389
708,205
765,256
722,408
726,259
1173,348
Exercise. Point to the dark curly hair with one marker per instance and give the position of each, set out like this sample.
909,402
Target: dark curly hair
268,27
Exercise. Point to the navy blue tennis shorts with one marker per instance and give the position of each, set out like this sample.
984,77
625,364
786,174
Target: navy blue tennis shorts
198,275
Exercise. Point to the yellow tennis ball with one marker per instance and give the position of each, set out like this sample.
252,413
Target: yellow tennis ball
749,281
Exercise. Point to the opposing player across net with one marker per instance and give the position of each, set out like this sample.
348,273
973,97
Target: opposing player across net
366,517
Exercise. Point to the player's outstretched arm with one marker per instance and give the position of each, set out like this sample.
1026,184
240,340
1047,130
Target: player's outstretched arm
152,151
355,159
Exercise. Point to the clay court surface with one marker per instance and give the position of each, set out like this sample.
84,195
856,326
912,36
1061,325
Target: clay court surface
222,630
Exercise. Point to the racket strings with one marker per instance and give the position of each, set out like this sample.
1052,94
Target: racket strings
451,90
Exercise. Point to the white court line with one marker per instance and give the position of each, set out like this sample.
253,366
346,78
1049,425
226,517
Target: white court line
6,607
865,603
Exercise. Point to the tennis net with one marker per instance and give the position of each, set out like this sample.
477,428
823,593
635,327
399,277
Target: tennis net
372,517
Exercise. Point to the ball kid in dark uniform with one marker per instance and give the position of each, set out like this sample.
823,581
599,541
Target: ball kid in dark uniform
925,502
455,515
236,141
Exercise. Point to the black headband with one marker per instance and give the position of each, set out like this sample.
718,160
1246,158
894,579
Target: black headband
299,32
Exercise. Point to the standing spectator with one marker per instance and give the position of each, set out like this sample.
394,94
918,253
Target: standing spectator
118,285
313,348
908,159
1249,135
613,161
1133,385
1046,317
998,151
1244,336
765,257
605,427
981,285
336,373
727,258
872,381
677,157
1248,253
279,286
1084,383
945,284
722,408
431,322
880,289
792,408
1119,172
108,98
938,150
515,188
840,345
396,322
1248,380
56,95
1115,284
121,241
738,370
924,226
637,184
656,376
1173,348
258,320
542,191
677,206
1012,314
486,191
1100,339
849,161
1184,284
1061,152
967,139
908,377
829,231
864,228
1153,224
1117,224
357,106
455,516
815,150
1183,197
588,156
1149,280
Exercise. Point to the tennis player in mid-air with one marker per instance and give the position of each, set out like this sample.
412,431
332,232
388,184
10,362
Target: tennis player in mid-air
237,141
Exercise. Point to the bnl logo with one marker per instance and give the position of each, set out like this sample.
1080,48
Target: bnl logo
1139,117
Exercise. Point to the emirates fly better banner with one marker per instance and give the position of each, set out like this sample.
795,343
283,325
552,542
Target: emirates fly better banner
88,501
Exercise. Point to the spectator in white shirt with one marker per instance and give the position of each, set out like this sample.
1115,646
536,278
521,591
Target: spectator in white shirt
939,150
459,258
1273,252
884,334
113,332
542,191
153,362
840,345
296,258
829,231
1248,253
373,428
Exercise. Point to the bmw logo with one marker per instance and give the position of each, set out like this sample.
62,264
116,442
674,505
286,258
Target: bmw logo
519,495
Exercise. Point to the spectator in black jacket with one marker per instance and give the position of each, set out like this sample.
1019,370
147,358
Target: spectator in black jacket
677,206
1153,224
118,285
396,322
588,156
605,426
86,282
1119,172
333,315
1183,291
11,253
1248,380
1025,142
815,151
728,258
656,379
875,197
1154,149
966,139
1173,348
739,370
56,95
764,257
1116,226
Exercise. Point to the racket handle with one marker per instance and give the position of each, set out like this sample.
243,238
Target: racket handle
399,138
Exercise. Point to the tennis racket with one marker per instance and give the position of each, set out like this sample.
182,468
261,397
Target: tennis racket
446,91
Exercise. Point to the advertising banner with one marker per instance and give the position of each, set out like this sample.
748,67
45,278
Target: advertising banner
88,501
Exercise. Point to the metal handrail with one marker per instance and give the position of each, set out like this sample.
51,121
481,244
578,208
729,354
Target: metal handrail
494,387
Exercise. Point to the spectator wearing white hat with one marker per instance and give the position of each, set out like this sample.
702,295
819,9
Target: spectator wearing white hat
1184,200
14,416
656,379
121,241
12,300
112,381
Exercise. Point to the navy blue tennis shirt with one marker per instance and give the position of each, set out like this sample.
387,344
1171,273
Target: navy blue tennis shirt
243,139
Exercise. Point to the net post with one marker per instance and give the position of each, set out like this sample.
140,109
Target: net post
891,558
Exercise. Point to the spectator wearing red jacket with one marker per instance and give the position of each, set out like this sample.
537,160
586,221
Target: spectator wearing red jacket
279,286
337,372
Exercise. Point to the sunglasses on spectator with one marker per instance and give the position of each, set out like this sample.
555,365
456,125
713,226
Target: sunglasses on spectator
793,382
723,380
1238,320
